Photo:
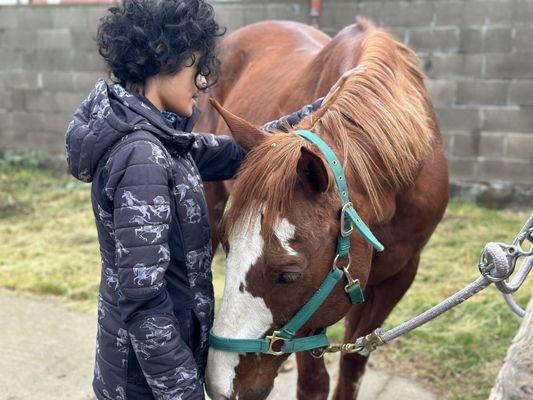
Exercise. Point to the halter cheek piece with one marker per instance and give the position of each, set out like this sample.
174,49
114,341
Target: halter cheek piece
349,220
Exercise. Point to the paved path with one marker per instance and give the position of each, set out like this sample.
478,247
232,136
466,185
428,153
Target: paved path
46,352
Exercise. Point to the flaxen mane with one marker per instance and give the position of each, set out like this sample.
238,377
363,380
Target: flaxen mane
379,125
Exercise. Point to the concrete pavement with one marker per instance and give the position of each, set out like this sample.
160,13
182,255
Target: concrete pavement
47,352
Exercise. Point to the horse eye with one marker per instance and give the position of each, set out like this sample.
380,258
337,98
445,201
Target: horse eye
287,278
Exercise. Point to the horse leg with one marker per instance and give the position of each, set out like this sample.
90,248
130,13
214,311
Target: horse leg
381,299
313,377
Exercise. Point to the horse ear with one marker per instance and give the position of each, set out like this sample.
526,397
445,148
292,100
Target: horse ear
312,171
246,134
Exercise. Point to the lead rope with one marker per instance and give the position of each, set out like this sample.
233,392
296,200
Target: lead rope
496,264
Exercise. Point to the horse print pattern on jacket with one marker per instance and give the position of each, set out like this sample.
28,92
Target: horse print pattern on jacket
156,303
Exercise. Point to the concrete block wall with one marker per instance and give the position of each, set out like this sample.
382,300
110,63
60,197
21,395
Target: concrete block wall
478,56
49,63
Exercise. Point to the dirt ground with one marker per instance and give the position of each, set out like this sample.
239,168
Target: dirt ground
47,353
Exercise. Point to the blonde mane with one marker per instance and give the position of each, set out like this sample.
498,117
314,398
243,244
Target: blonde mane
380,124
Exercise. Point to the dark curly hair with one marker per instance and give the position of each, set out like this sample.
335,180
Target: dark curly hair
142,38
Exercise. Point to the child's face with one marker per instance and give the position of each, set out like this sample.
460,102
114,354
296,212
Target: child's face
177,93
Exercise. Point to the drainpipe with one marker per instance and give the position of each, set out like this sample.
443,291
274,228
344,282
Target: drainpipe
316,9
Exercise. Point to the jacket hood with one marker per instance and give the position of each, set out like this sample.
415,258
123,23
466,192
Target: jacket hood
108,114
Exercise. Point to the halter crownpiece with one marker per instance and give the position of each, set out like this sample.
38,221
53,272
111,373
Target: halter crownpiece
349,219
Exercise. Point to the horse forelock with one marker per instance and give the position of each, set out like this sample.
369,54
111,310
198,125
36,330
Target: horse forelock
266,183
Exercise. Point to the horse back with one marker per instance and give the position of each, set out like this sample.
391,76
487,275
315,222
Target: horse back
260,64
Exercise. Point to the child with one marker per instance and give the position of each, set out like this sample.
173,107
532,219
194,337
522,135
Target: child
132,139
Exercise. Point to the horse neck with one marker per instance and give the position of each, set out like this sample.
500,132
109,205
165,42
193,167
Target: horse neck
338,56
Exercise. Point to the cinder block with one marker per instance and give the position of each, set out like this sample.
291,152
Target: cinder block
466,144
519,146
519,66
454,65
440,39
39,17
49,143
442,92
23,80
57,122
461,168
5,101
496,12
8,18
58,81
10,59
482,92
340,15
486,40
523,40
449,13
94,14
70,17
23,39
508,120
406,14
53,102
229,15
293,11
18,100
85,81
21,121
473,13
50,60
87,62
253,13
513,171
521,93
523,11
491,145
370,10
459,119
53,39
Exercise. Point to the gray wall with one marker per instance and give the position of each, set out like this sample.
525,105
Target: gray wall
477,54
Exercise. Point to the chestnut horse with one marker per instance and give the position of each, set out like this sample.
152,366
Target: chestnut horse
281,229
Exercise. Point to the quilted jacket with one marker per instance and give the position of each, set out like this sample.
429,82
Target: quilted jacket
156,302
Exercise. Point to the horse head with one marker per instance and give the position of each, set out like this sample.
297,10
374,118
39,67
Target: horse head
280,237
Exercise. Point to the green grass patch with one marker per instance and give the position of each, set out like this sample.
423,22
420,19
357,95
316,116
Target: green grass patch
48,246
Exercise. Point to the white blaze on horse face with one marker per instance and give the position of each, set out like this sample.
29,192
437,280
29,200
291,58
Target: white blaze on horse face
241,315
285,233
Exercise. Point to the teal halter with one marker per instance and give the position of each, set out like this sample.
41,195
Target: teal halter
349,219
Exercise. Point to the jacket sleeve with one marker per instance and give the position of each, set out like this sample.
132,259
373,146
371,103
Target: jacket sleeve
138,185
294,118
218,157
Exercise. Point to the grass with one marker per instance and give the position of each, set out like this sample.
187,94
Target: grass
48,247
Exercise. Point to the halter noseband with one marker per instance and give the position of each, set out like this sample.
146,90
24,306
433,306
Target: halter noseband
349,219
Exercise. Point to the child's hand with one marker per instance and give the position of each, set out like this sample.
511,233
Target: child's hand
335,88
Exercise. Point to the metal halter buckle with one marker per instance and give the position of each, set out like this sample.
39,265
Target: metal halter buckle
345,267
344,232
273,339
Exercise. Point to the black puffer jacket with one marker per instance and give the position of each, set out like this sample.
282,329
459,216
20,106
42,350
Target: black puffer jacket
156,297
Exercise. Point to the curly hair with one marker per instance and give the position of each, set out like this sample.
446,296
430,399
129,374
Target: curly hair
142,38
